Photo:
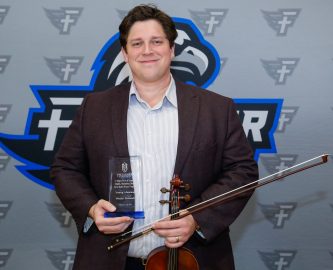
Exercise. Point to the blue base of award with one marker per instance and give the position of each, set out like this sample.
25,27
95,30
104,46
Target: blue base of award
136,215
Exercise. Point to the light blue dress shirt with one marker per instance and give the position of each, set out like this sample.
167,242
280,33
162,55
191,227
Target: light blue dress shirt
153,135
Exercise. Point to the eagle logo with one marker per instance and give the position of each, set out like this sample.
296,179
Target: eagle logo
196,62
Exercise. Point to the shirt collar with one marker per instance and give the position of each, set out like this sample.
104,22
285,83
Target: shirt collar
169,96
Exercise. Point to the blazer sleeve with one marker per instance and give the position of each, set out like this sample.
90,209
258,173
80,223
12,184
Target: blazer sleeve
69,172
236,168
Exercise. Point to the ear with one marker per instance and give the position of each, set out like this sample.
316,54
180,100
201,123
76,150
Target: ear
172,51
124,54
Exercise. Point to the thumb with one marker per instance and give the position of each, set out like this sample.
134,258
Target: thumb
106,205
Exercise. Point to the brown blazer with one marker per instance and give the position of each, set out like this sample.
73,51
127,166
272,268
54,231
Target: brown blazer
213,156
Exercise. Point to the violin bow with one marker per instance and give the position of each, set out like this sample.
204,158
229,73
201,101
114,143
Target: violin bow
313,162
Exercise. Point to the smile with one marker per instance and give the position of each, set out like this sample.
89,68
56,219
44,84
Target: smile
149,61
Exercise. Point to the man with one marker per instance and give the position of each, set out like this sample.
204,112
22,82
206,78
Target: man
175,129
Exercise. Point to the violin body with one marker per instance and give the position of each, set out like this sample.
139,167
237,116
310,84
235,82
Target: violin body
159,259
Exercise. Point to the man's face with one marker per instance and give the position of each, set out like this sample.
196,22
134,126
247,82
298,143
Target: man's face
148,52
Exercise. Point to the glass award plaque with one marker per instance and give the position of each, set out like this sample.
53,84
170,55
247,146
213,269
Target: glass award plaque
126,187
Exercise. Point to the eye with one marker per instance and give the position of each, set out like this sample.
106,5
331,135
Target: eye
136,44
157,42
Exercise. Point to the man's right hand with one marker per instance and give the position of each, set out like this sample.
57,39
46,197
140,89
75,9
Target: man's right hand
108,225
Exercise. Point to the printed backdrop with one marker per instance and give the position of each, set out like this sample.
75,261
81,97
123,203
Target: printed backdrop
274,58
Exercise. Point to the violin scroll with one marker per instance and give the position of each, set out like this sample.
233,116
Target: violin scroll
176,184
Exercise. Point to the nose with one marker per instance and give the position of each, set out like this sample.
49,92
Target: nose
147,48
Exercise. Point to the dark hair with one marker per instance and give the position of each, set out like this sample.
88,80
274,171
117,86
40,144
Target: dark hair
143,13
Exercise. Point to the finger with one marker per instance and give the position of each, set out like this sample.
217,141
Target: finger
171,224
168,232
98,209
113,225
106,205
114,229
174,241
102,221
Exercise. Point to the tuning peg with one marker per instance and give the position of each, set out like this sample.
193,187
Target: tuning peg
185,198
164,201
164,190
186,187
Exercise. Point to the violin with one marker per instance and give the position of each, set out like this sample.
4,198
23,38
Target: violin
163,258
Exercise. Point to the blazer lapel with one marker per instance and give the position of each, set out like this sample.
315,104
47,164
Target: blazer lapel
119,105
188,109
